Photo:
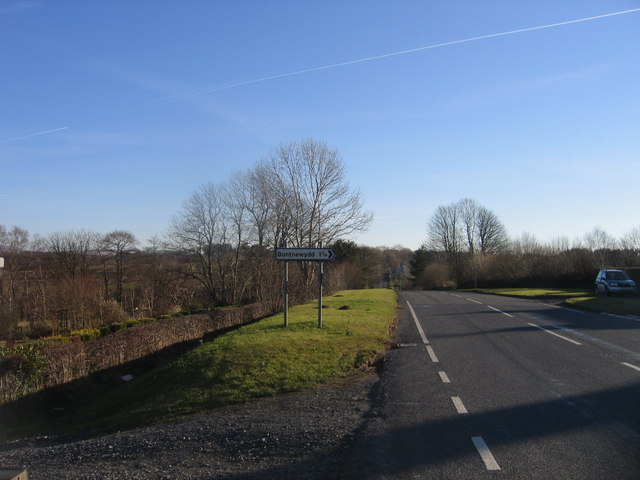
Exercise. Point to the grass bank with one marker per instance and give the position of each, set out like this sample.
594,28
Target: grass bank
262,359
577,298
536,292
617,305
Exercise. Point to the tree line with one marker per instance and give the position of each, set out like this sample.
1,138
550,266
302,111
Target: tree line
468,246
219,251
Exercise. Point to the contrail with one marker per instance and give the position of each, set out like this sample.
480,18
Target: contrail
32,135
386,55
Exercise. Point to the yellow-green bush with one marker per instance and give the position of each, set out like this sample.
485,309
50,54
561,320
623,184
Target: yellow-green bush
86,334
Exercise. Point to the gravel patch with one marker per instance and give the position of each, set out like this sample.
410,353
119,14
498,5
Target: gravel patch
304,435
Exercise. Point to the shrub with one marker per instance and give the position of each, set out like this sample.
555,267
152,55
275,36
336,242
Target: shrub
86,334
436,276
112,312
114,327
55,339
27,362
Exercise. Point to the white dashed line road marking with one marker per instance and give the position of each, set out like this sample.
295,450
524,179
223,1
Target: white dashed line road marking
474,301
460,408
500,311
485,453
444,377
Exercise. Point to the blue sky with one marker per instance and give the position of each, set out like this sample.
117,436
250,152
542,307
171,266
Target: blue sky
113,113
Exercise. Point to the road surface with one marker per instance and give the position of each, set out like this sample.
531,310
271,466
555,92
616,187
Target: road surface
483,386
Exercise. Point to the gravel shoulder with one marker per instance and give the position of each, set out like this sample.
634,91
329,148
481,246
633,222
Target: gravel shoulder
303,435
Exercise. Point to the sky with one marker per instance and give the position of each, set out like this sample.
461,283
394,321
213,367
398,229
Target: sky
113,113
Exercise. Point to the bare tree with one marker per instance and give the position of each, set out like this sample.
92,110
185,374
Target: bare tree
310,190
196,231
311,201
252,190
492,234
466,227
237,227
444,235
70,251
118,243
601,244
12,243
630,244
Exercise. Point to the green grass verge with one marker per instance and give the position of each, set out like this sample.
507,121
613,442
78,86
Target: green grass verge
577,298
617,305
535,292
262,359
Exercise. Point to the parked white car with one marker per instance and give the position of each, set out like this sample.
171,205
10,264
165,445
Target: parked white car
610,281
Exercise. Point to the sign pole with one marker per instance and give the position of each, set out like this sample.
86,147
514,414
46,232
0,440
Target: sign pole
320,284
286,291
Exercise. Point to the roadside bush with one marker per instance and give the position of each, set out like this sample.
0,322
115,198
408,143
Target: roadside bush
51,363
86,334
22,370
116,327
112,312
436,276
52,339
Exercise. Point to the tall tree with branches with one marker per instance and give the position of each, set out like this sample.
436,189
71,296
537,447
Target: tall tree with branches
117,244
310,189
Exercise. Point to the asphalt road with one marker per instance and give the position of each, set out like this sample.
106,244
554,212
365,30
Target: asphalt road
484,386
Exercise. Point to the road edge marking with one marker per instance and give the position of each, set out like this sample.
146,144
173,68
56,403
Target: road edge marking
630,365
432,354
554,333
418,326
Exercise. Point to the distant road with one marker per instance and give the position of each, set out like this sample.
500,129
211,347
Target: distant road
483,386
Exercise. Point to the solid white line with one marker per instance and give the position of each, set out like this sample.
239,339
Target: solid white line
572,310
474,301
432,355
415,319
485,453
555,334
624,317
631,366
459,405
500,311
444,377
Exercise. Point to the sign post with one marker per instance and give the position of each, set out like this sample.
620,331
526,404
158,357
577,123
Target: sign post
320,285
286,292
303,255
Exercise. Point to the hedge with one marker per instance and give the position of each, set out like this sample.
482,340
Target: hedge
65,362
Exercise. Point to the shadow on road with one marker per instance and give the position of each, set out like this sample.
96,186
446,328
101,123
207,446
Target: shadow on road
381,453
